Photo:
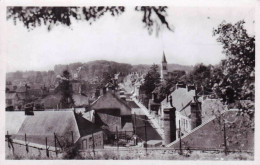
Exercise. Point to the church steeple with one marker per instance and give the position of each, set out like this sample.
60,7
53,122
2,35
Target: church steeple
164,58
164,69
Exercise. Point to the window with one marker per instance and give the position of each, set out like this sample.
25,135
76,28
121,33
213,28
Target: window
164,67
84,144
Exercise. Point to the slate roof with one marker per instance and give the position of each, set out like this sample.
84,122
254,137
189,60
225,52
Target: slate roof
45,123
132,104
13,121
111,101
10,95
209,135
21,89
80,100
51,101
181,99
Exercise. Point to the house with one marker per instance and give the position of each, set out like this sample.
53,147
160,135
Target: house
22,92
10,88
35,90
112,112
154,104
11,101
139,118
52,101
180,112
231,124
64,126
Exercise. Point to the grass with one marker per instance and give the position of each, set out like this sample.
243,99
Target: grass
151,155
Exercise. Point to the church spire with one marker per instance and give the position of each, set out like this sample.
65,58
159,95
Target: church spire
164,58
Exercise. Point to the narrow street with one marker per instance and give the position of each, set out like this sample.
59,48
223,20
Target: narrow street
151,120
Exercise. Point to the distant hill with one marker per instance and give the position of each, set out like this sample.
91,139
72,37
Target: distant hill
88,71
171,67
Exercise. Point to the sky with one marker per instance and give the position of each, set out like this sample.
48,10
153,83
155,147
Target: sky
124,39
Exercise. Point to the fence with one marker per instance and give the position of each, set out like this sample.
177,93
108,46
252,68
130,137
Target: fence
18,149
21,147
120,138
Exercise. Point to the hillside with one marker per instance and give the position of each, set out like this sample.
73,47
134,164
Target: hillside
86,71
171,67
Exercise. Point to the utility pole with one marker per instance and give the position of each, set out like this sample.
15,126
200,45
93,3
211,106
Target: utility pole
93,146
135,123
26,144
145,135
225,139
55,143
180,136
47,150
117,139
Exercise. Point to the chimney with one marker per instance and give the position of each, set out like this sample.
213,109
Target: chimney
167,98
190,87
28,110
195,114
180,85
154,96
171,101
169,125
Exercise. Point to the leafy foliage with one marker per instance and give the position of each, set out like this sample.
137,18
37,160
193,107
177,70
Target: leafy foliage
152,80
32,17
149,22
200,75
168,86
66,90
239,66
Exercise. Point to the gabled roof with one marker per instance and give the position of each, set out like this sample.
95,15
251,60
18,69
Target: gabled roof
10,95
45,123
85,127
21,89
13,121
80,100
181,98
132,104
51,101
209,135
111,101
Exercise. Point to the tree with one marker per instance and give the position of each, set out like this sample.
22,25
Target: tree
66,90
239,66
32,17
152,80
168,86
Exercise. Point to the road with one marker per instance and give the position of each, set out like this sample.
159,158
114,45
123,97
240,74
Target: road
152,120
